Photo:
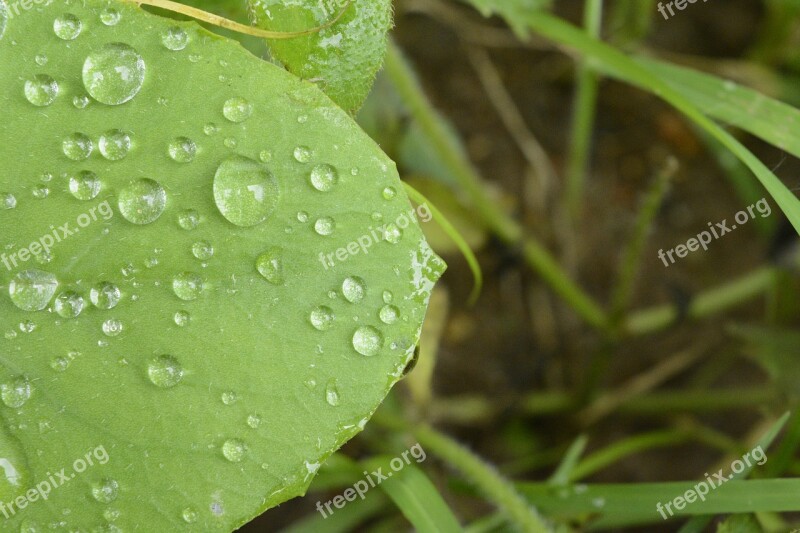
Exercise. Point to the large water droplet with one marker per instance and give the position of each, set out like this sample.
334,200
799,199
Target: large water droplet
114,74
42,90
105,491
237,109
322,318
332,393
354,289
165,371
182,150
67,27
105,295
32,290
69,304
143,201
234,450
246,193
16,392
270,265
324,178
84,186
78,146
187,286
174,39
114,145
367,341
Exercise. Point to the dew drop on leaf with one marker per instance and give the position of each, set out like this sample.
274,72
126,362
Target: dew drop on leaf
69,304
114,145
67,27
142,201
41,91
105,491
174,39
182,318
332,393
234,450
16,392
367,341
354,289
237,109
32,290
246,193
114,74
389,314
78,146
187,286
164,371
85,185
324,178
189,515
270,265
322,318
324,226
8,200
182,150
302,154
189,219
105,295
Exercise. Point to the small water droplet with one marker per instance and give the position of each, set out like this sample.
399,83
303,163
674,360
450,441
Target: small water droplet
392,234
389,193
110,16
164,371
270,265
182,150
189,515
67,27
325,226
354,289
367,341
237,110
182,318
189,219
114,145
332,393
187,286
324,178
78,146
302,154
202,250
142,201
389,314
105,295
210,129
41,91
105,491
246,193
16,392
41,192
40,59
8,200
388,297
322,318
302,216
85,185
114,74
175,39
229,398
234,450
80,102
254,421
112,327
32,290
69,304
265,156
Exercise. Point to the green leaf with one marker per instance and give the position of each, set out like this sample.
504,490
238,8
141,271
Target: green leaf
192,378
343,58
740,523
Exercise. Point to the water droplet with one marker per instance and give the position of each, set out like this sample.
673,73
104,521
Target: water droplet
112,327
41,59
189,219
230,142
302,216
389,193
114,74
324,226
354,289
42,90
189,515
210,129
202,250
182,150
84,186
234,450
69,304
67,27
265,156
367,341
165,371
322,318
246,193
78,146
105,491
3,18
32,290
16,392
389,314
110,16
187,286
8,200
332,393
40,192
143,201
114,145
254,421
182,318
105,295
324,178
80,102
174,39
270,265
392,234
111,514
237,109
388,297
302,154
229,398
60,364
